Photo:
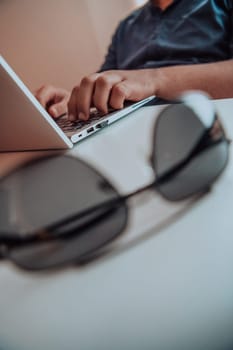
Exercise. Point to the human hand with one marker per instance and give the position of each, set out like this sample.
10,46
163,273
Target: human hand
110,89
53,99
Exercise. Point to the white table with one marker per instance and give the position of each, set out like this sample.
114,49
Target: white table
157,289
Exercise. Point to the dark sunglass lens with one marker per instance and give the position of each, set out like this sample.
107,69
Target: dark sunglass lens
75,248
49,191
198,174
177,132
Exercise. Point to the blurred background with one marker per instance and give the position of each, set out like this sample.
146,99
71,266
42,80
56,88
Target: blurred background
58,41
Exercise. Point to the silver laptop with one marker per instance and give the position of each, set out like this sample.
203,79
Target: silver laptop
25,124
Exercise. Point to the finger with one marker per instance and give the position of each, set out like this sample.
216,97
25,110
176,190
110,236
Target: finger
127,90
45,94
102,91
120,93
72,104
84,97
58,109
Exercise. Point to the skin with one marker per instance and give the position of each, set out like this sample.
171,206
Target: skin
163,4
112,88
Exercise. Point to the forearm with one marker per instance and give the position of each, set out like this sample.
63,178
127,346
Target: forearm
113,87
214,78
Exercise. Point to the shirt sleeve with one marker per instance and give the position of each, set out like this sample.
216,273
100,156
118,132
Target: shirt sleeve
231,35
110,61
230,7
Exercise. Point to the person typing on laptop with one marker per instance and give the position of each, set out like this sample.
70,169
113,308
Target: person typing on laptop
163,48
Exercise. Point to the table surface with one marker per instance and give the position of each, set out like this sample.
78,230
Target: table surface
165,284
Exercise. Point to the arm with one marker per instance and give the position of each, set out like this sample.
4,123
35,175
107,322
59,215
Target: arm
114,87
214,78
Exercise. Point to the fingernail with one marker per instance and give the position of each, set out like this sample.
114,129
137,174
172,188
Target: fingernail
82,116
71,117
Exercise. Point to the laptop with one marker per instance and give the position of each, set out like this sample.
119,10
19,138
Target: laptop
26,125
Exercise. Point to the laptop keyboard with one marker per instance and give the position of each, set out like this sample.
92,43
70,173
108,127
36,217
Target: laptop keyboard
71,127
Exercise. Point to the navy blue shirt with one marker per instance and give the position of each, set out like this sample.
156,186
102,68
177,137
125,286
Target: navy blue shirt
187,32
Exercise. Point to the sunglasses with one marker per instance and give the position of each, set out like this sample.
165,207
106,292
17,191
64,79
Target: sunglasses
59,210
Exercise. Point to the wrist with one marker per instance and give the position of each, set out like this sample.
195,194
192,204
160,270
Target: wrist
161,82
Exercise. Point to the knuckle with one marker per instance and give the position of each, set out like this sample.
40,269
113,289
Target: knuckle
47,88
119,90
86,81
75,89
102,81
